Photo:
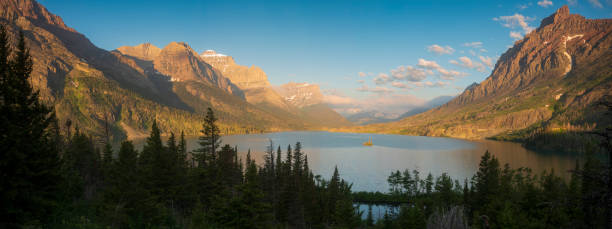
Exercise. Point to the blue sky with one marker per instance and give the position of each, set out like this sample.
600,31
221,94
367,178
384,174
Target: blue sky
347,47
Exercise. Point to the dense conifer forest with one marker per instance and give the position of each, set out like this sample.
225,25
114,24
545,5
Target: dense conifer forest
63,179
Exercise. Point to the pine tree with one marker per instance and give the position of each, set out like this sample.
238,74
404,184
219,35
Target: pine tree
333,189
81,168
209,141
29,158
182,151
279,163
429,183
486,186
298,160
253,211
124,196
158,178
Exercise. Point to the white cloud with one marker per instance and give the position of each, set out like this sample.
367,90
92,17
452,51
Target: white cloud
472,52
483,50
545,3
514,21
400,85
381,79
450,74
430,84
440,50
488,61
428,64
362,74
410,73
516,35
475,44
361,81
466,62
596,3
572,2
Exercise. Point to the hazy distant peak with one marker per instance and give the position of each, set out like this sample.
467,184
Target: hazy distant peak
301,94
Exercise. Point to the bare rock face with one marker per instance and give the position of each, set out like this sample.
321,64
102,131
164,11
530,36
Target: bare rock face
550,52
252,80
145,51
179,62
301,94
243,76
32,10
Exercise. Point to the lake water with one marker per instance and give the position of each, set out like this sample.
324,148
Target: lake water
368,167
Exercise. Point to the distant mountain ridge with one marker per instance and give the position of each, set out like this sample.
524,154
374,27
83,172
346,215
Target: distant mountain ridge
309,99
130,87
548,81
374,116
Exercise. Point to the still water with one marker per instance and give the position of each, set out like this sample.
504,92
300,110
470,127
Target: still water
368,167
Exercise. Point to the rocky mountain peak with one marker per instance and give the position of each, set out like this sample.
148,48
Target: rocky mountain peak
145,51
243,76
217,60
12,10
180,63
563,42
177,47
561,14
301,94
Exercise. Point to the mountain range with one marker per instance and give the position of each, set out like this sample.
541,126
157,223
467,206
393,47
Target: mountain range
122,91
549,81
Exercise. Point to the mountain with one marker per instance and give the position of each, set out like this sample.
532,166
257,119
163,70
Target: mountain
375,116
301,94
243,76
433,103
252,80
371,117
547,82
126,89
309,99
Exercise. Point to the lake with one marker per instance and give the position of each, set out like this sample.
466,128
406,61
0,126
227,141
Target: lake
368,167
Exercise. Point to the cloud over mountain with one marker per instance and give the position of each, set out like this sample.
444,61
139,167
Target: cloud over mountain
516,21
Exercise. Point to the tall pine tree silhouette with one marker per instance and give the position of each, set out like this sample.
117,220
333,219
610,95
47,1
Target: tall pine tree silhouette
29,161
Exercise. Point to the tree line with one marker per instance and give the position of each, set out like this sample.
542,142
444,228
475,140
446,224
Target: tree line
495,197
